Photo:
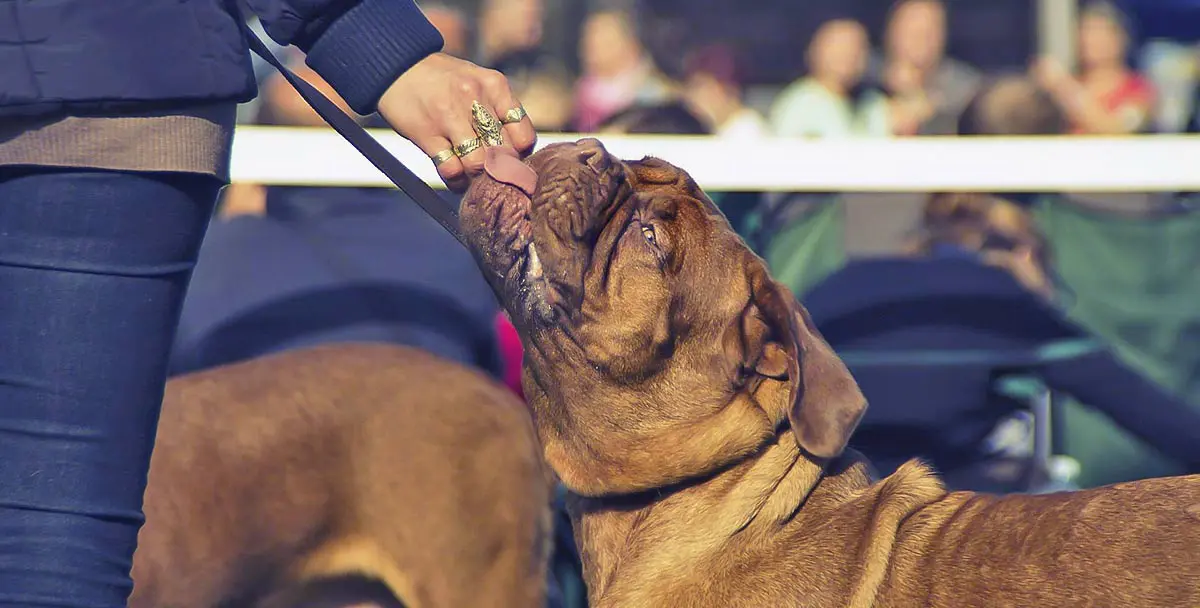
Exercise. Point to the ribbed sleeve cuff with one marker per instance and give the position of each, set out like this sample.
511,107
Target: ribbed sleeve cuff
363,52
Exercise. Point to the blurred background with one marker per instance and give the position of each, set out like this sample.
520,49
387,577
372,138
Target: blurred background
1018,341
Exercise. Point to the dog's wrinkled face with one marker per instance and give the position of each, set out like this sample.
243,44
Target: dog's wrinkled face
657,346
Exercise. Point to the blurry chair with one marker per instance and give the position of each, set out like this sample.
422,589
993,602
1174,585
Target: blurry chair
935,344
325,265
1019,452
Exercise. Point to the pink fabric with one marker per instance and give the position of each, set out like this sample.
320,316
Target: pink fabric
598,98
511,352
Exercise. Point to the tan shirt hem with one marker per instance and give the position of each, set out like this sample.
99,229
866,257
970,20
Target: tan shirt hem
192,140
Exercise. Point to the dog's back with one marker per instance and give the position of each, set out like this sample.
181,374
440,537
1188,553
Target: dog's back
1130,544
377,460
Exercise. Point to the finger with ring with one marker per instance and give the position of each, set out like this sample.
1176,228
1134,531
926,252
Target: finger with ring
443,156
486,125
514,115
468,146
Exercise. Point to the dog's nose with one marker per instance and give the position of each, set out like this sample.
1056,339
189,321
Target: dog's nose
592,153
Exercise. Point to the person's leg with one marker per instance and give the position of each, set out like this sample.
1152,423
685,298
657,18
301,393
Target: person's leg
93,269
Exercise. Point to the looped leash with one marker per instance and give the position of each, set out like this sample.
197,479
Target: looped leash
437,207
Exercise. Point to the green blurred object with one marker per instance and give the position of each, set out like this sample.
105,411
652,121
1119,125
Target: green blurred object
1134,281
802,241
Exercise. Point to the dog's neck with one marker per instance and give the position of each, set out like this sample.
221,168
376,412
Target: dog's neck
620,535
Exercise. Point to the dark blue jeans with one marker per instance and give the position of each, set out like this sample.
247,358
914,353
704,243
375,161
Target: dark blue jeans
93,270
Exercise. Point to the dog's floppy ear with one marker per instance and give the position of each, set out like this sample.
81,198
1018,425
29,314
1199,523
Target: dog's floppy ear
824,403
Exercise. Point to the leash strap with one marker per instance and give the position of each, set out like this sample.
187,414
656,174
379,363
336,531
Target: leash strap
437,207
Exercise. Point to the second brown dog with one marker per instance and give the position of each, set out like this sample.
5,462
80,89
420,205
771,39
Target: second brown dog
374,461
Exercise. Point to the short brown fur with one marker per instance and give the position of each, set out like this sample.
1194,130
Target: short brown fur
377,460
700,422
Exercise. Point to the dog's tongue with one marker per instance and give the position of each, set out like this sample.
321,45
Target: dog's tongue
504,166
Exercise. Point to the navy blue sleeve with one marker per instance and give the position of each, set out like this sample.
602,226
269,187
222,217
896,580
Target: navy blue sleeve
359,46
1100,380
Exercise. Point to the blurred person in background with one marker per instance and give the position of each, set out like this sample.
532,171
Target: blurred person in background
547,97
453,25
831,101
970,305
1107,97
510,36
287,267
617,70
928,89
712,88
116,122
668,118
511,40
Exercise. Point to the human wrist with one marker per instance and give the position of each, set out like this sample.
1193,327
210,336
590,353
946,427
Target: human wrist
367,48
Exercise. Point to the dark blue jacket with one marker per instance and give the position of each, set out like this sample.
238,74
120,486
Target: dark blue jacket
101,56
928,339
330,265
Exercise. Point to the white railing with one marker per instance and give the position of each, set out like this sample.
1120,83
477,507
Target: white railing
292,156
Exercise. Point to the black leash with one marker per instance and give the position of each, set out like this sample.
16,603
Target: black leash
437,207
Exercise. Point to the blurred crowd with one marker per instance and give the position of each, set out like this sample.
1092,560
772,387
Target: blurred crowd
906,84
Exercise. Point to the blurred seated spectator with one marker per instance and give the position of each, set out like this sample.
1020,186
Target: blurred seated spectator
288,267
617,70
930,337
510,34
831,101
928,90
713,90
1107,97
1011,105
546,95
454,26
670,118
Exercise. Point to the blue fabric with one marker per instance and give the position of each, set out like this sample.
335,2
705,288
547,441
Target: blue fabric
964,325
330,265
89,56
93,268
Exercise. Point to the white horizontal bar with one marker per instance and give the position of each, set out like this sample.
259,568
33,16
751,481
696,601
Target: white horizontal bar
306,156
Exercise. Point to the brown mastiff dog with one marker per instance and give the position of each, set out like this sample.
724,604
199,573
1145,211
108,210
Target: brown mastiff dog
274,477
701,423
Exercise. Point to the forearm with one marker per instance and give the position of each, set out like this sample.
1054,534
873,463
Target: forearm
359,46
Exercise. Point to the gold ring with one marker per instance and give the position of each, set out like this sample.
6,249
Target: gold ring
468,146
516,114
486,125
443,156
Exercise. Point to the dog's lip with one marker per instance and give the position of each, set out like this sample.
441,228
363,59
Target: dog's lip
521,275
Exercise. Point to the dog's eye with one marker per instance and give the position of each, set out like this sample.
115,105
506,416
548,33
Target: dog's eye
648,233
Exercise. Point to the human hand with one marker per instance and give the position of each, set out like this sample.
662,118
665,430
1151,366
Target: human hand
431,106
1050,73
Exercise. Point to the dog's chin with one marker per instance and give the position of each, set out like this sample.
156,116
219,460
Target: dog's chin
495,218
